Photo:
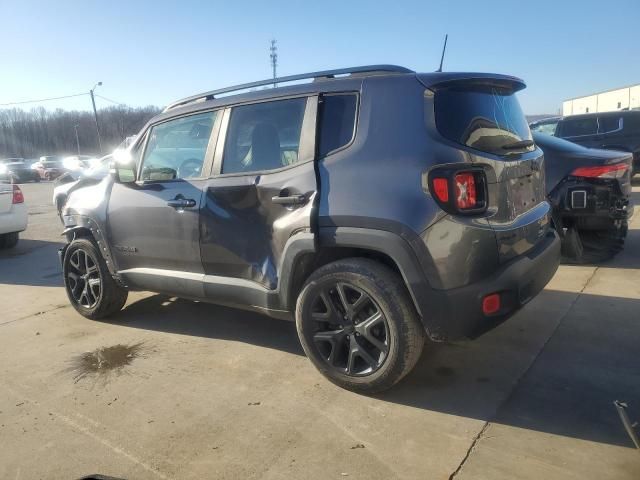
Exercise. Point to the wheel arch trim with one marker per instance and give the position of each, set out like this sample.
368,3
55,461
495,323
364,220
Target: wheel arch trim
75,225
402,254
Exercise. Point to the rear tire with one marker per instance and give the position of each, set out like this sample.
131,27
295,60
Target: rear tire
371,343
596,245
9,240
89,285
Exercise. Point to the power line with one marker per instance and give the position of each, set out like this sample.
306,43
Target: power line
41,100
109,100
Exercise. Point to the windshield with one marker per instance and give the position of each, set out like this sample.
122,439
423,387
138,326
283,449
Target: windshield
484,118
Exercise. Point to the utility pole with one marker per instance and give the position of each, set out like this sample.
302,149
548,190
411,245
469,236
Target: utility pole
77,139
274,60
95,115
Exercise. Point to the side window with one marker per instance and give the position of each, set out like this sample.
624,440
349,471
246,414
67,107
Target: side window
264,136
338,121
579,126
176,148
610,124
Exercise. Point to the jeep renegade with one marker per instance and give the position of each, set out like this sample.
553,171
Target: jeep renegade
374,205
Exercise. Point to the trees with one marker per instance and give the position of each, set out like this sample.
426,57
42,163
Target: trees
37,132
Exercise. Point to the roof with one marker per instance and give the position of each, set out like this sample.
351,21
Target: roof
322,80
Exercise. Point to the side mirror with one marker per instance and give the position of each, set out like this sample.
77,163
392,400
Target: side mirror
123,167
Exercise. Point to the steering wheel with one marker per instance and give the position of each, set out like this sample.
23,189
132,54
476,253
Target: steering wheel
190,168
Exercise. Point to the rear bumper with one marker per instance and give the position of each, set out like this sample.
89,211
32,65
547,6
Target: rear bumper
517,282
15,220
600,203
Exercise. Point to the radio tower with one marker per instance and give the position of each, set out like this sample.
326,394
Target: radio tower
274,60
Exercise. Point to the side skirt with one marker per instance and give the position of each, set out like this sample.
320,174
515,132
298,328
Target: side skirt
232,292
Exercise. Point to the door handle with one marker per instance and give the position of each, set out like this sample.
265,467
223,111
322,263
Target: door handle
289,200
180,202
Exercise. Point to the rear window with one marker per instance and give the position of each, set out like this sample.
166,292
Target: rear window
338,117
483,118
575,127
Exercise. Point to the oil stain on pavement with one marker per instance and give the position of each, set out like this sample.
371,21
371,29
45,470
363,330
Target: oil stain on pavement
104,361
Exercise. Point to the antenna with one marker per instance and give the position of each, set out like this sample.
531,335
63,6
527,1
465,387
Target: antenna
274,60
444,49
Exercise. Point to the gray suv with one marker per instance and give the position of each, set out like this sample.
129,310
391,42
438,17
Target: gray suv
374,205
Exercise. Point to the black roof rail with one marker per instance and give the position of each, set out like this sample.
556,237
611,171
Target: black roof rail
291,78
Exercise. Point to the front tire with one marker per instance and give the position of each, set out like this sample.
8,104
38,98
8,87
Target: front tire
90,287
358,325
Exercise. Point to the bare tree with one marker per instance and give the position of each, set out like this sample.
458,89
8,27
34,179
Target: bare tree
39,132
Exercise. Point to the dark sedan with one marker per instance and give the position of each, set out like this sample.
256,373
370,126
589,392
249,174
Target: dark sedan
16,170
49,167
589,190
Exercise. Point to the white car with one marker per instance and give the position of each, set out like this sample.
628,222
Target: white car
13,214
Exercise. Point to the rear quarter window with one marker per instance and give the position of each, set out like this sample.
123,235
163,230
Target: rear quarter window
337,121
483,118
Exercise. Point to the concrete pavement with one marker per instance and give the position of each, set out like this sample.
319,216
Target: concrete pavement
220,393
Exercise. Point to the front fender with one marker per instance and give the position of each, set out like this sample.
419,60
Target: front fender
77,226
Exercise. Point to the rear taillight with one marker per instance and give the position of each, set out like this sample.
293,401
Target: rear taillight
615,170
441,189
465,191
459,191
18,197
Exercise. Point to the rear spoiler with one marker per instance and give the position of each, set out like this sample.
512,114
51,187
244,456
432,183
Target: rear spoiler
436,80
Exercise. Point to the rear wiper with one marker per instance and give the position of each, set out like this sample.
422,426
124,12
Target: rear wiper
518,145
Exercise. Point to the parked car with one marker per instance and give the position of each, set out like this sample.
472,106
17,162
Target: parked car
79,162
13,214
73,179
609,130
590,191
374,205
545,125
17,170
49,167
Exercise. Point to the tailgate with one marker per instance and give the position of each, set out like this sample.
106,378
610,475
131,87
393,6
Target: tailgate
484,116
522,215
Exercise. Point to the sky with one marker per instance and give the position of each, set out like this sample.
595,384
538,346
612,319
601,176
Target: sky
154,52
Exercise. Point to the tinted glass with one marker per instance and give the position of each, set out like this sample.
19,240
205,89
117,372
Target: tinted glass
176,148
610,124
574,127
338,117
484,118
264,136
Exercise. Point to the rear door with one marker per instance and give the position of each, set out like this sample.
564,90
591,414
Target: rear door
263,189
154,222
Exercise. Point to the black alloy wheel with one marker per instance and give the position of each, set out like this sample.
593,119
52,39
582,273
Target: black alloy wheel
352,333
358,325
83,279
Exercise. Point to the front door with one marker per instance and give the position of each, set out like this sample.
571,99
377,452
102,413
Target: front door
154,222
263,190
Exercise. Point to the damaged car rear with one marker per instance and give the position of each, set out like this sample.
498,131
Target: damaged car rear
589,190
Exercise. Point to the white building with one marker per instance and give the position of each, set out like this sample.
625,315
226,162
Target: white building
626,98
